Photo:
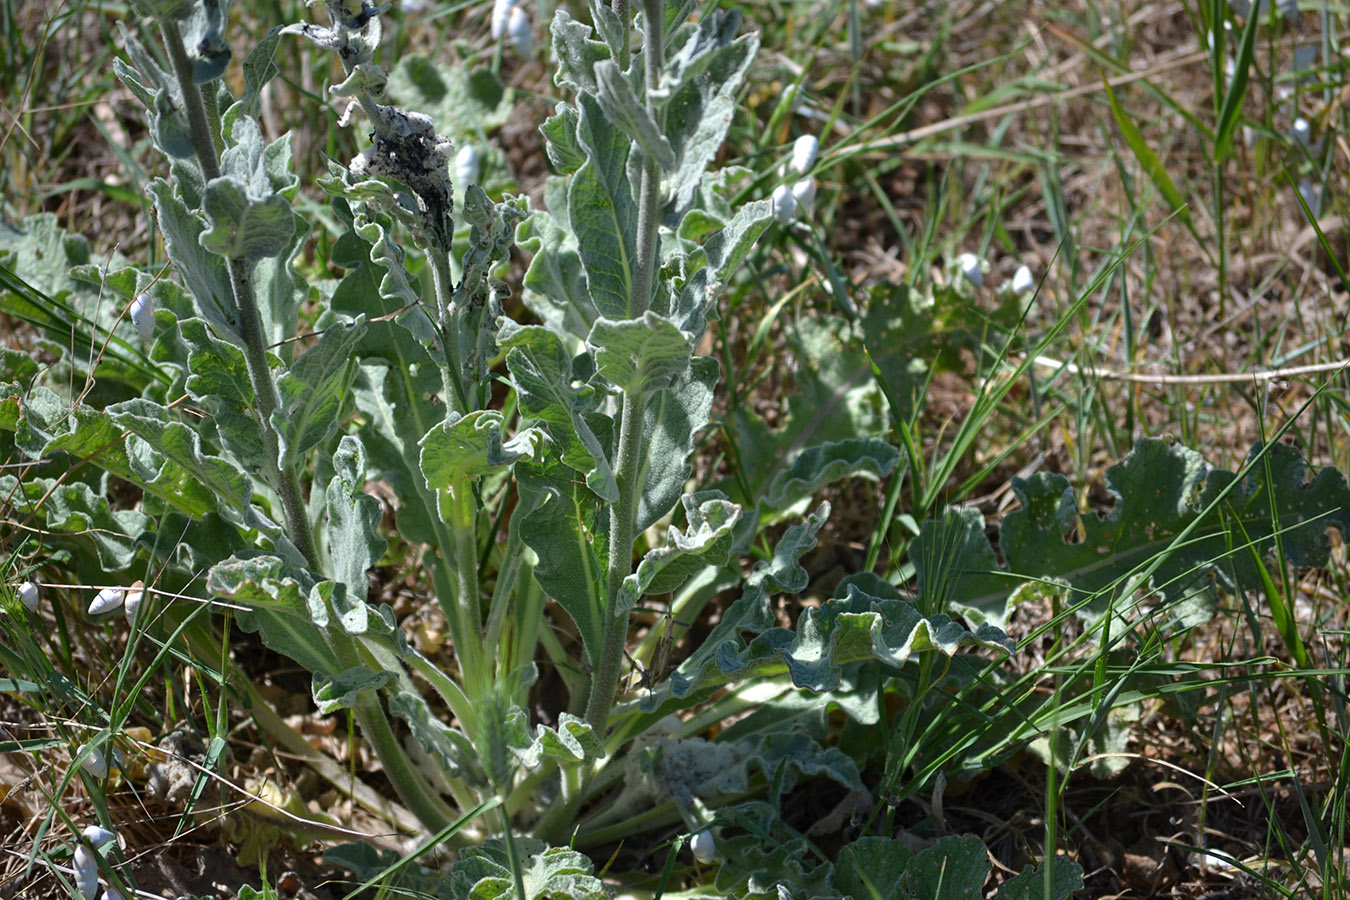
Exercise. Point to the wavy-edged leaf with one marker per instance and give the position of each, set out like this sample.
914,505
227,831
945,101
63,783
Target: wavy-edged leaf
824,464
242,227
856,628
560,140
74,509
448,746
354,541
639,355
713,263
570,742
1162,490
469,445
202,271
277,607
218,381
706,541
542,375
750,612
576,53
685,769
175,441
549,873
712,66
340,691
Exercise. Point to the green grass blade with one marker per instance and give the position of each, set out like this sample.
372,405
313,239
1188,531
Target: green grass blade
1153,166
1231,111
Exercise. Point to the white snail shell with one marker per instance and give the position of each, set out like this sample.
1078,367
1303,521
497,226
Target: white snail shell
704,846
143,317
107,600
804,152
804,192
1023,282
501,12
468,166
96,764
134,595
29,594
969,264
97,835
519,31
784,204
86,872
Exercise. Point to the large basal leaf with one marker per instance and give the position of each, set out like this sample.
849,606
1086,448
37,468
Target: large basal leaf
909,337
689,769
749,612
178,443
277,606
541,372
75,510
824,464
1161,489
853,629
603,214
954,868
870,867
836,399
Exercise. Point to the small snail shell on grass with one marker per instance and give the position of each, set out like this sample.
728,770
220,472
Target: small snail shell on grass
86,872
29,593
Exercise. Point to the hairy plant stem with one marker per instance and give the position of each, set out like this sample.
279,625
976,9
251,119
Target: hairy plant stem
468,609
623,513
650,185
265,396
621,527
408,782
